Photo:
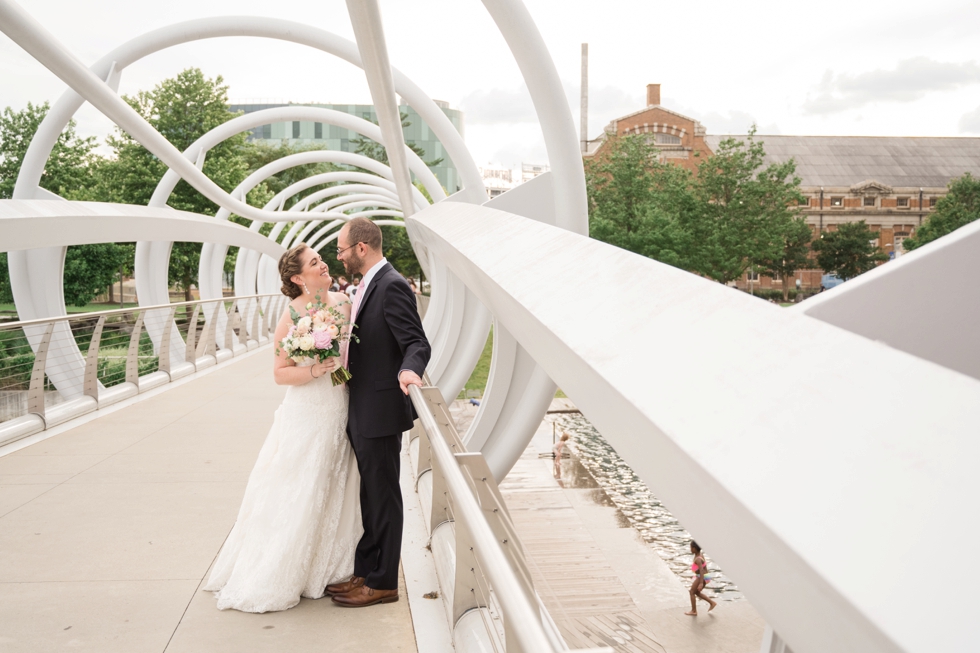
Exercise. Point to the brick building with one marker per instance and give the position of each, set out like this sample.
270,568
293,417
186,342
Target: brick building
890,182
678,137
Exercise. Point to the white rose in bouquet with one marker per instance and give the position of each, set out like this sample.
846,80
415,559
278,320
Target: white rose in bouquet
306,342
303,326
319,326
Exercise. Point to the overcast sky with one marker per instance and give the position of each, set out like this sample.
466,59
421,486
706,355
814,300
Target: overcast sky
837,68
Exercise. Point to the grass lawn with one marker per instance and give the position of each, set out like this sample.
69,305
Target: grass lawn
478,380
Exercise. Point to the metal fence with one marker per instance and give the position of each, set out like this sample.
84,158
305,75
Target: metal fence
55,369
489,595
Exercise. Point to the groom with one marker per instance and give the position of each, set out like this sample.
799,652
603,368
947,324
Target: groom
391,355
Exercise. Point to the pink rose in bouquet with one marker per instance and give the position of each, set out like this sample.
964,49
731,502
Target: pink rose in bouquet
322,339
317,335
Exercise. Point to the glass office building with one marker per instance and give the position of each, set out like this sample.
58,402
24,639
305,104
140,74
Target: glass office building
337,138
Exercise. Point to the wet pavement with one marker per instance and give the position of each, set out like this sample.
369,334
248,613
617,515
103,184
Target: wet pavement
595,464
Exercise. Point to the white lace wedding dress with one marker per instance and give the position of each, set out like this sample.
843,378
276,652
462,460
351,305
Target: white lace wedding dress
300,519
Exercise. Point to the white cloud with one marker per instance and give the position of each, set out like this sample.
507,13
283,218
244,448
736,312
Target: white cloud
498,106
970,122
909,81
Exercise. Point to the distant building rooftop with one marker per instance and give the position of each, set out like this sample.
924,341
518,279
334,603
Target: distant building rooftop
897,161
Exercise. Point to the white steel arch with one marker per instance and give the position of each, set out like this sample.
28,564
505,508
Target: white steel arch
35,274
456,323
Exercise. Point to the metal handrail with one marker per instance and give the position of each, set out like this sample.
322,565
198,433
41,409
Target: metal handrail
202,350
521,613
122,311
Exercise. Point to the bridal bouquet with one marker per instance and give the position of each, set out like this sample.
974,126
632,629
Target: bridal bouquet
317,336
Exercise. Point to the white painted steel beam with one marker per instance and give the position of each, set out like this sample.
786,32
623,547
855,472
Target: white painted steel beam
927,302
28,224
365,18
791,488
34,274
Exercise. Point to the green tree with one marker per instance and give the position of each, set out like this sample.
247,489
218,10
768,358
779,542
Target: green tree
67,170
848,251
398,250
795,254
745,210
90,269
71,172
259,154
640,204
182,109
959,207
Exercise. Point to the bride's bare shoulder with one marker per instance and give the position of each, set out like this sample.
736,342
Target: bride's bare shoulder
297,303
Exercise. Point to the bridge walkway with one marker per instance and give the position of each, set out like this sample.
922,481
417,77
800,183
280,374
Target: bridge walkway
108,530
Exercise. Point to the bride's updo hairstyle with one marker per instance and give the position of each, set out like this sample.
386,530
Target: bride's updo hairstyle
291,264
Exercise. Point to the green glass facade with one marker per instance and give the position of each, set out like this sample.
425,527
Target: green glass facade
337,138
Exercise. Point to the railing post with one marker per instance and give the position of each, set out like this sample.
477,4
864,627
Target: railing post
90,380
424,460
242,331
163,355
208,345
265,318
132,356
481,481
35,395
190,350
523,627
229,328
274,316
470,590
255,321
440,511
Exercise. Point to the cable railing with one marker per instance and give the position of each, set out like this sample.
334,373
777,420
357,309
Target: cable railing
480,561
56,369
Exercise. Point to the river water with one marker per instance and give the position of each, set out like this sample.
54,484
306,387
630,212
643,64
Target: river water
644,511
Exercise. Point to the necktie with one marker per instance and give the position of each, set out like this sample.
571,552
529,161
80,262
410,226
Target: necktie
353,314
357,300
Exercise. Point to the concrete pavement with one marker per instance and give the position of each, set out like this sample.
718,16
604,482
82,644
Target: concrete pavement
108,530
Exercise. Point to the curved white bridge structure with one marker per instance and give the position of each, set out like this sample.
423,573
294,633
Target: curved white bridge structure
823,454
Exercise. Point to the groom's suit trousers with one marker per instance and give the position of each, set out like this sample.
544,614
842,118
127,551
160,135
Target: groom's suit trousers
379,551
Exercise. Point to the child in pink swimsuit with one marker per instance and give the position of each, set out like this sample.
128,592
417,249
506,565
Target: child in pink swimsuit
699,567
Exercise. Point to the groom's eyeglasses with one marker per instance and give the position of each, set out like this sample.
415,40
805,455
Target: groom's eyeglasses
341,251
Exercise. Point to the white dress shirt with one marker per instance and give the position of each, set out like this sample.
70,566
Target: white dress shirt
366,279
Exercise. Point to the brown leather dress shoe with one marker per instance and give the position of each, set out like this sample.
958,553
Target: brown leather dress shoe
365,596
348,585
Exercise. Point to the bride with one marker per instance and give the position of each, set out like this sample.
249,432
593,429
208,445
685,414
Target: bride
300,519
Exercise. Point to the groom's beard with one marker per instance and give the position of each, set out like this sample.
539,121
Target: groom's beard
353,264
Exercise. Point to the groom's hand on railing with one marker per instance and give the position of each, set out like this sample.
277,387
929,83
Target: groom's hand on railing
407,378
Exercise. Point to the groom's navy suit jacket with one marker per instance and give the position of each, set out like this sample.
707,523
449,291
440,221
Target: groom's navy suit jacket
391,340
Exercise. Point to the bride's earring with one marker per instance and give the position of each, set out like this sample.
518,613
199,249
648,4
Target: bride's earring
306,289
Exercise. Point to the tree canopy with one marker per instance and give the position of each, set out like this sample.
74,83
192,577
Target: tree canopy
733,215
182,109
957,208
848,251
71,172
